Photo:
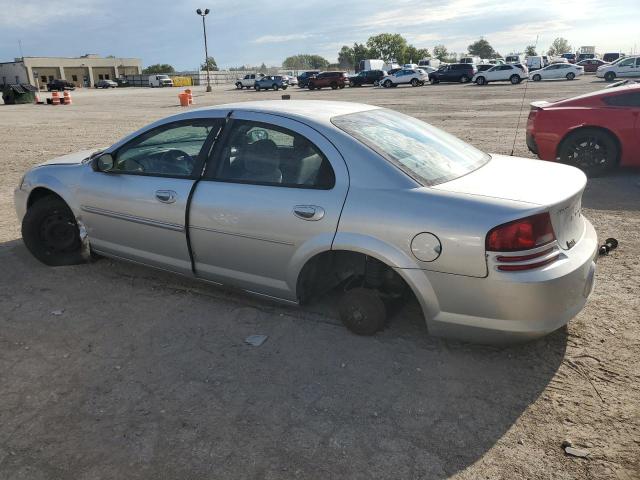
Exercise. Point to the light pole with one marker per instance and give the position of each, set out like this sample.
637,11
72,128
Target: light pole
206,54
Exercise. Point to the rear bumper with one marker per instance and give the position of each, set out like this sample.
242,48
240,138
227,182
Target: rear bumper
510,307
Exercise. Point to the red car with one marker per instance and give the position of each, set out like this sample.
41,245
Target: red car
591,64
594,132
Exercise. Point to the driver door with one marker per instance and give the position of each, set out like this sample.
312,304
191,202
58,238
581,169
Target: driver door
136,210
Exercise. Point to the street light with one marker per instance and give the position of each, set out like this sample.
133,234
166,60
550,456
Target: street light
206,54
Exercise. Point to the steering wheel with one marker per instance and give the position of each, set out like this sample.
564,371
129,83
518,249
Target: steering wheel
175,159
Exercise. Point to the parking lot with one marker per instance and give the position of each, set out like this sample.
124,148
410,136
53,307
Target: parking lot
111,370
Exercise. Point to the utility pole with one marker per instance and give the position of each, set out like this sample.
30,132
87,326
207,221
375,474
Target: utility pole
206,53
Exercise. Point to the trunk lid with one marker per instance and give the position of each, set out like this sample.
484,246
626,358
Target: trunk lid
555,187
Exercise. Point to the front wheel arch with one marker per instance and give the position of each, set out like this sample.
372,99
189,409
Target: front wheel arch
41,192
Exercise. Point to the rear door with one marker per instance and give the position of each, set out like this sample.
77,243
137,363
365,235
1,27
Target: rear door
271,198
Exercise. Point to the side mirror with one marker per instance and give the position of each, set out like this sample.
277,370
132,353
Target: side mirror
103,163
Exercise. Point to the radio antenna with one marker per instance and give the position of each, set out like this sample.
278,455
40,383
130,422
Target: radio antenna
524,95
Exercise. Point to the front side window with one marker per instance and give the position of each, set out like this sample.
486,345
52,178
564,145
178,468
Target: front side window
265,154
627,63
425,153
171,150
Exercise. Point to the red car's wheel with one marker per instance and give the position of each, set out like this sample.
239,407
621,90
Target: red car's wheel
592,150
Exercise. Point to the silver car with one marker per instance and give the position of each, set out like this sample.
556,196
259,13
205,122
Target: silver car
292,199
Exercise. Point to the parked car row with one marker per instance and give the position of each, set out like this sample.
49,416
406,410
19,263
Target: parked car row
463,72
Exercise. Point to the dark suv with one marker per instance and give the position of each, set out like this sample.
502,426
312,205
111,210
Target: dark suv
60,85
303,78
455,72
366,77
328,79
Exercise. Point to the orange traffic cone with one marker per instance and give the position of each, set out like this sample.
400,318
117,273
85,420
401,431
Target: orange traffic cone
67,97
55,98
36,99
190,95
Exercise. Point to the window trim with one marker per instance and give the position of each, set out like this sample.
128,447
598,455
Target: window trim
213,164
200,159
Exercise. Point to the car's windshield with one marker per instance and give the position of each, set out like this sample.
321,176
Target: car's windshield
425,153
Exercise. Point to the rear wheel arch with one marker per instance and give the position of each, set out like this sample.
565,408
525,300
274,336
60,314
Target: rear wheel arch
590,127
311,276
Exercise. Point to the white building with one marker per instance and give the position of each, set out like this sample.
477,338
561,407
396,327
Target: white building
83,71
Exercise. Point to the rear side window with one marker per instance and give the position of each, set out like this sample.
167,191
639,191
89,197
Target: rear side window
624,100
425,153
264,154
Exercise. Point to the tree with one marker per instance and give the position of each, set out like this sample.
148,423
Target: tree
530,51
158,68
440,52
263,68
482,49
305,61
413,54
345,57
558,47
211,63
387,46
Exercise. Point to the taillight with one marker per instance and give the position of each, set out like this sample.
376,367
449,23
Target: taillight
523,234
530,233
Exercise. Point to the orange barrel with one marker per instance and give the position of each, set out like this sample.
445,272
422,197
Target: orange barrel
55,98
67,97
190,95
184,99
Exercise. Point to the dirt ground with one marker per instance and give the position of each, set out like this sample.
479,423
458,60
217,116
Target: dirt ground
112,370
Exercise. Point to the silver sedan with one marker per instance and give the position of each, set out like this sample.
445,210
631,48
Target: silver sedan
293,199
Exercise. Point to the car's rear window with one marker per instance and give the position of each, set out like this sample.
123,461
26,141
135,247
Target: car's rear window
425,153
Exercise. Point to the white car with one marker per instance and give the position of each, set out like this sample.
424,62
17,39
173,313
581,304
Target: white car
414,77
248,81
623,67
511,72
556,71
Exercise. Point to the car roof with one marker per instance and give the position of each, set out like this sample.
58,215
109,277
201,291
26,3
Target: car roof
305,110
600,93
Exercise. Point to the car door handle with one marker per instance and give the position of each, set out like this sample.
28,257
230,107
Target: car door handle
166,196
308,212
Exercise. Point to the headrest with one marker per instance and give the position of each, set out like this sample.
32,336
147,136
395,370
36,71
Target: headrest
261,157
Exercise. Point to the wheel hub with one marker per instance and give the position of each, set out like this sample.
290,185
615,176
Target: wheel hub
58,232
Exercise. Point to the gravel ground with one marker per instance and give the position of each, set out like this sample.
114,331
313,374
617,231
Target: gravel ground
112,370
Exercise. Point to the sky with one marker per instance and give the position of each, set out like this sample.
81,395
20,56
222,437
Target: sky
249,33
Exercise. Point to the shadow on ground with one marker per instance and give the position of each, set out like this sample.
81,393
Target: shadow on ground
112,370
619,190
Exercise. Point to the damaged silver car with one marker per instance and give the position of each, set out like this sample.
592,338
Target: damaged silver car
293,199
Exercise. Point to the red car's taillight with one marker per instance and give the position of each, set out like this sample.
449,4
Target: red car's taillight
523,234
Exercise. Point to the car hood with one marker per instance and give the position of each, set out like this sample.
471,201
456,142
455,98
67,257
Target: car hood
71,158
521,179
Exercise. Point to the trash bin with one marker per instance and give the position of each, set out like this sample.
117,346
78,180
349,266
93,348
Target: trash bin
15,93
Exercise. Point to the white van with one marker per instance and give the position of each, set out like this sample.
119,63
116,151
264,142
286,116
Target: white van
535,63
429,62
473,60
515,58
160,81
371,64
